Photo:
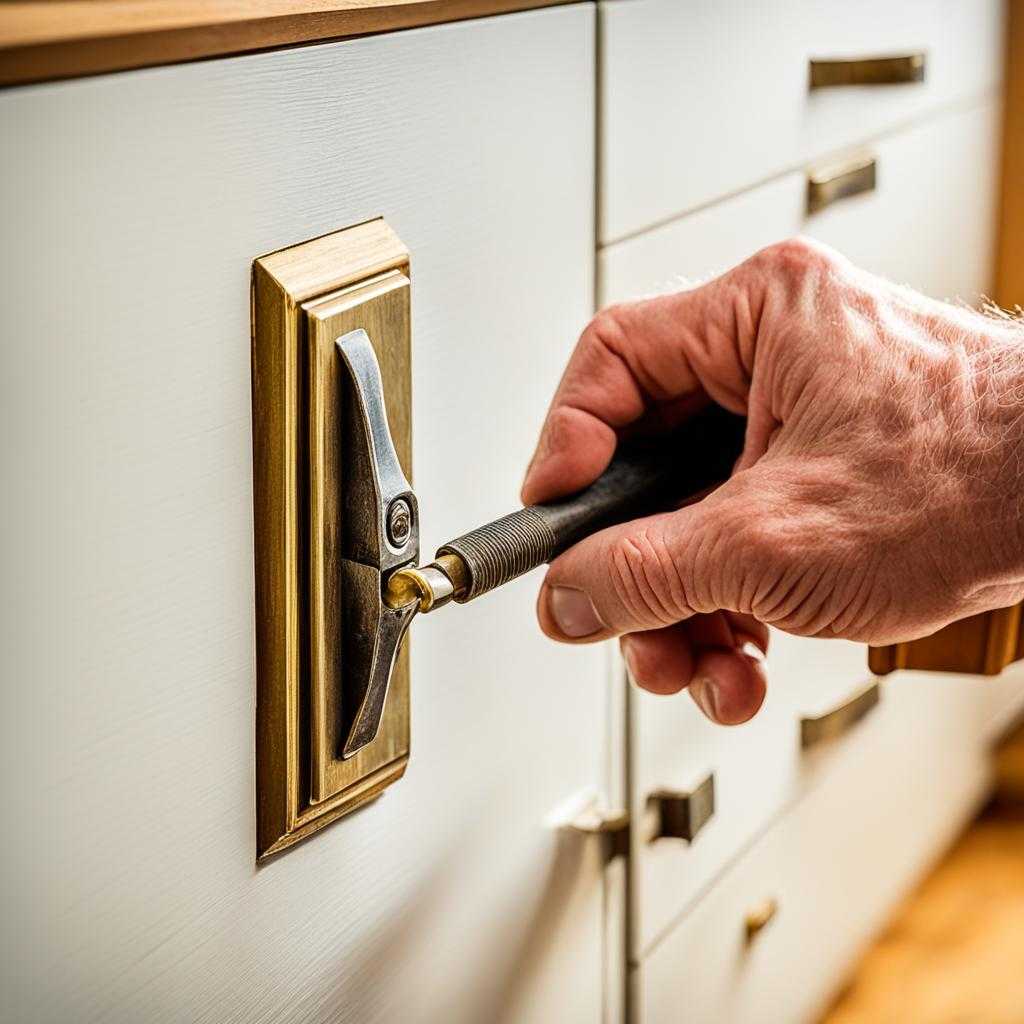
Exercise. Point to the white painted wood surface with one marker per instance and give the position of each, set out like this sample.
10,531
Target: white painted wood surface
929,224
701,99
132,207
894,794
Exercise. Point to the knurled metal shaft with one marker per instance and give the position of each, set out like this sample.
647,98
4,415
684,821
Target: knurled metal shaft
498,552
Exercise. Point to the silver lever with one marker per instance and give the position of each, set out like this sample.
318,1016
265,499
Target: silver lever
380,533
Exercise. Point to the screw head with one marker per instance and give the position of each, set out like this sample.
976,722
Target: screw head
399,522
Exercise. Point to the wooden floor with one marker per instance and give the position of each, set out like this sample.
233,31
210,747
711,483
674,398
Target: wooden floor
954,952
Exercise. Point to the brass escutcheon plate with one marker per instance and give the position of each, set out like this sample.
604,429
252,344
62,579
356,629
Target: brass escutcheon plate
304,298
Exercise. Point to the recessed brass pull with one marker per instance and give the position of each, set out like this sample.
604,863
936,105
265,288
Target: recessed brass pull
840,720
759,917
680,814
828,184
898,69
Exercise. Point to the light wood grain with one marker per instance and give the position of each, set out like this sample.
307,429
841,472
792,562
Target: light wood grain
953,950
1010,270
69,38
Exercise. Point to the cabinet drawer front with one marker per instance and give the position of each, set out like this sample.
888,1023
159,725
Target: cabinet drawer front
776,935
929,221
933,195
702,99
755,768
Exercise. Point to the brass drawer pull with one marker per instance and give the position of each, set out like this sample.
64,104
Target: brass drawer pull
840,720
680,814
896,70
610,826
827,185
759,917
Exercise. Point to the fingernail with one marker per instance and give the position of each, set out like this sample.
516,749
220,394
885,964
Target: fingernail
573,612
628,656
749,648
748,645
705,693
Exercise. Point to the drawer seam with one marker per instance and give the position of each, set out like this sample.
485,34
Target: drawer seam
961,105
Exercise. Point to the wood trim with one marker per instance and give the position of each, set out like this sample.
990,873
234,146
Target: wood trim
1010,258
70,38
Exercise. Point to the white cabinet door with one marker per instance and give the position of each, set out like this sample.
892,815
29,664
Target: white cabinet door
930,224
132,208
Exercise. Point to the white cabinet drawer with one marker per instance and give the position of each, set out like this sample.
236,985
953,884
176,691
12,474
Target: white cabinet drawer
1003,700
702,99
934,187
929,223
835,864
755,768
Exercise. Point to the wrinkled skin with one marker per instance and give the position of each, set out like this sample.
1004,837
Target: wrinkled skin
878,497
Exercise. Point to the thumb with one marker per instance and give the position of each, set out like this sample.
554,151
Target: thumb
649,573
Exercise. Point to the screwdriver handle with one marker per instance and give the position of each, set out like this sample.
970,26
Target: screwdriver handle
644,477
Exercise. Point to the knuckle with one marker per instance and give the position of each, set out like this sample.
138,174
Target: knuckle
606,329
797,257
558,429
645,578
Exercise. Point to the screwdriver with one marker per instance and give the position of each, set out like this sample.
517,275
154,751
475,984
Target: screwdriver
646,475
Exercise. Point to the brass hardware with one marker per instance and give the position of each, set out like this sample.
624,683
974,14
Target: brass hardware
841,719
303,299
612,826
681,814
828,184
895,70
427,586
757,918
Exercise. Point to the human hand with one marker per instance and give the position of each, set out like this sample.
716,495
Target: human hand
878,496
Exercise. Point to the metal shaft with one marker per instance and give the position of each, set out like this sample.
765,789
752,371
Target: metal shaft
644,477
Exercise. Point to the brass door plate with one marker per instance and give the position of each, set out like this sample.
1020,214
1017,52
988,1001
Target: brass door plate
303,299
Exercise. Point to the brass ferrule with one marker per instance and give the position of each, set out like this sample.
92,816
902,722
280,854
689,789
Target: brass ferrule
431,586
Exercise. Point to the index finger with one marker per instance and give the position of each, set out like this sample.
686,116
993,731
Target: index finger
675,350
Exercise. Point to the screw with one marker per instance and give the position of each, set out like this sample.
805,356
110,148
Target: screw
399,522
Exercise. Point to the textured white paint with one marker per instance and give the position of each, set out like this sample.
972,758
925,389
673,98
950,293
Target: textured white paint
703,98
930,224
132,206
892,796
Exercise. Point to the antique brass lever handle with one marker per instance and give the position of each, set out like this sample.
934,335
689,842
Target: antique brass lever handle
893,70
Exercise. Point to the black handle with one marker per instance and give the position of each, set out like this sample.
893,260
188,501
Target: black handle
644,477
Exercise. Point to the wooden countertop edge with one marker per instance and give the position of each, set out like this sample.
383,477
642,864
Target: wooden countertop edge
61,39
